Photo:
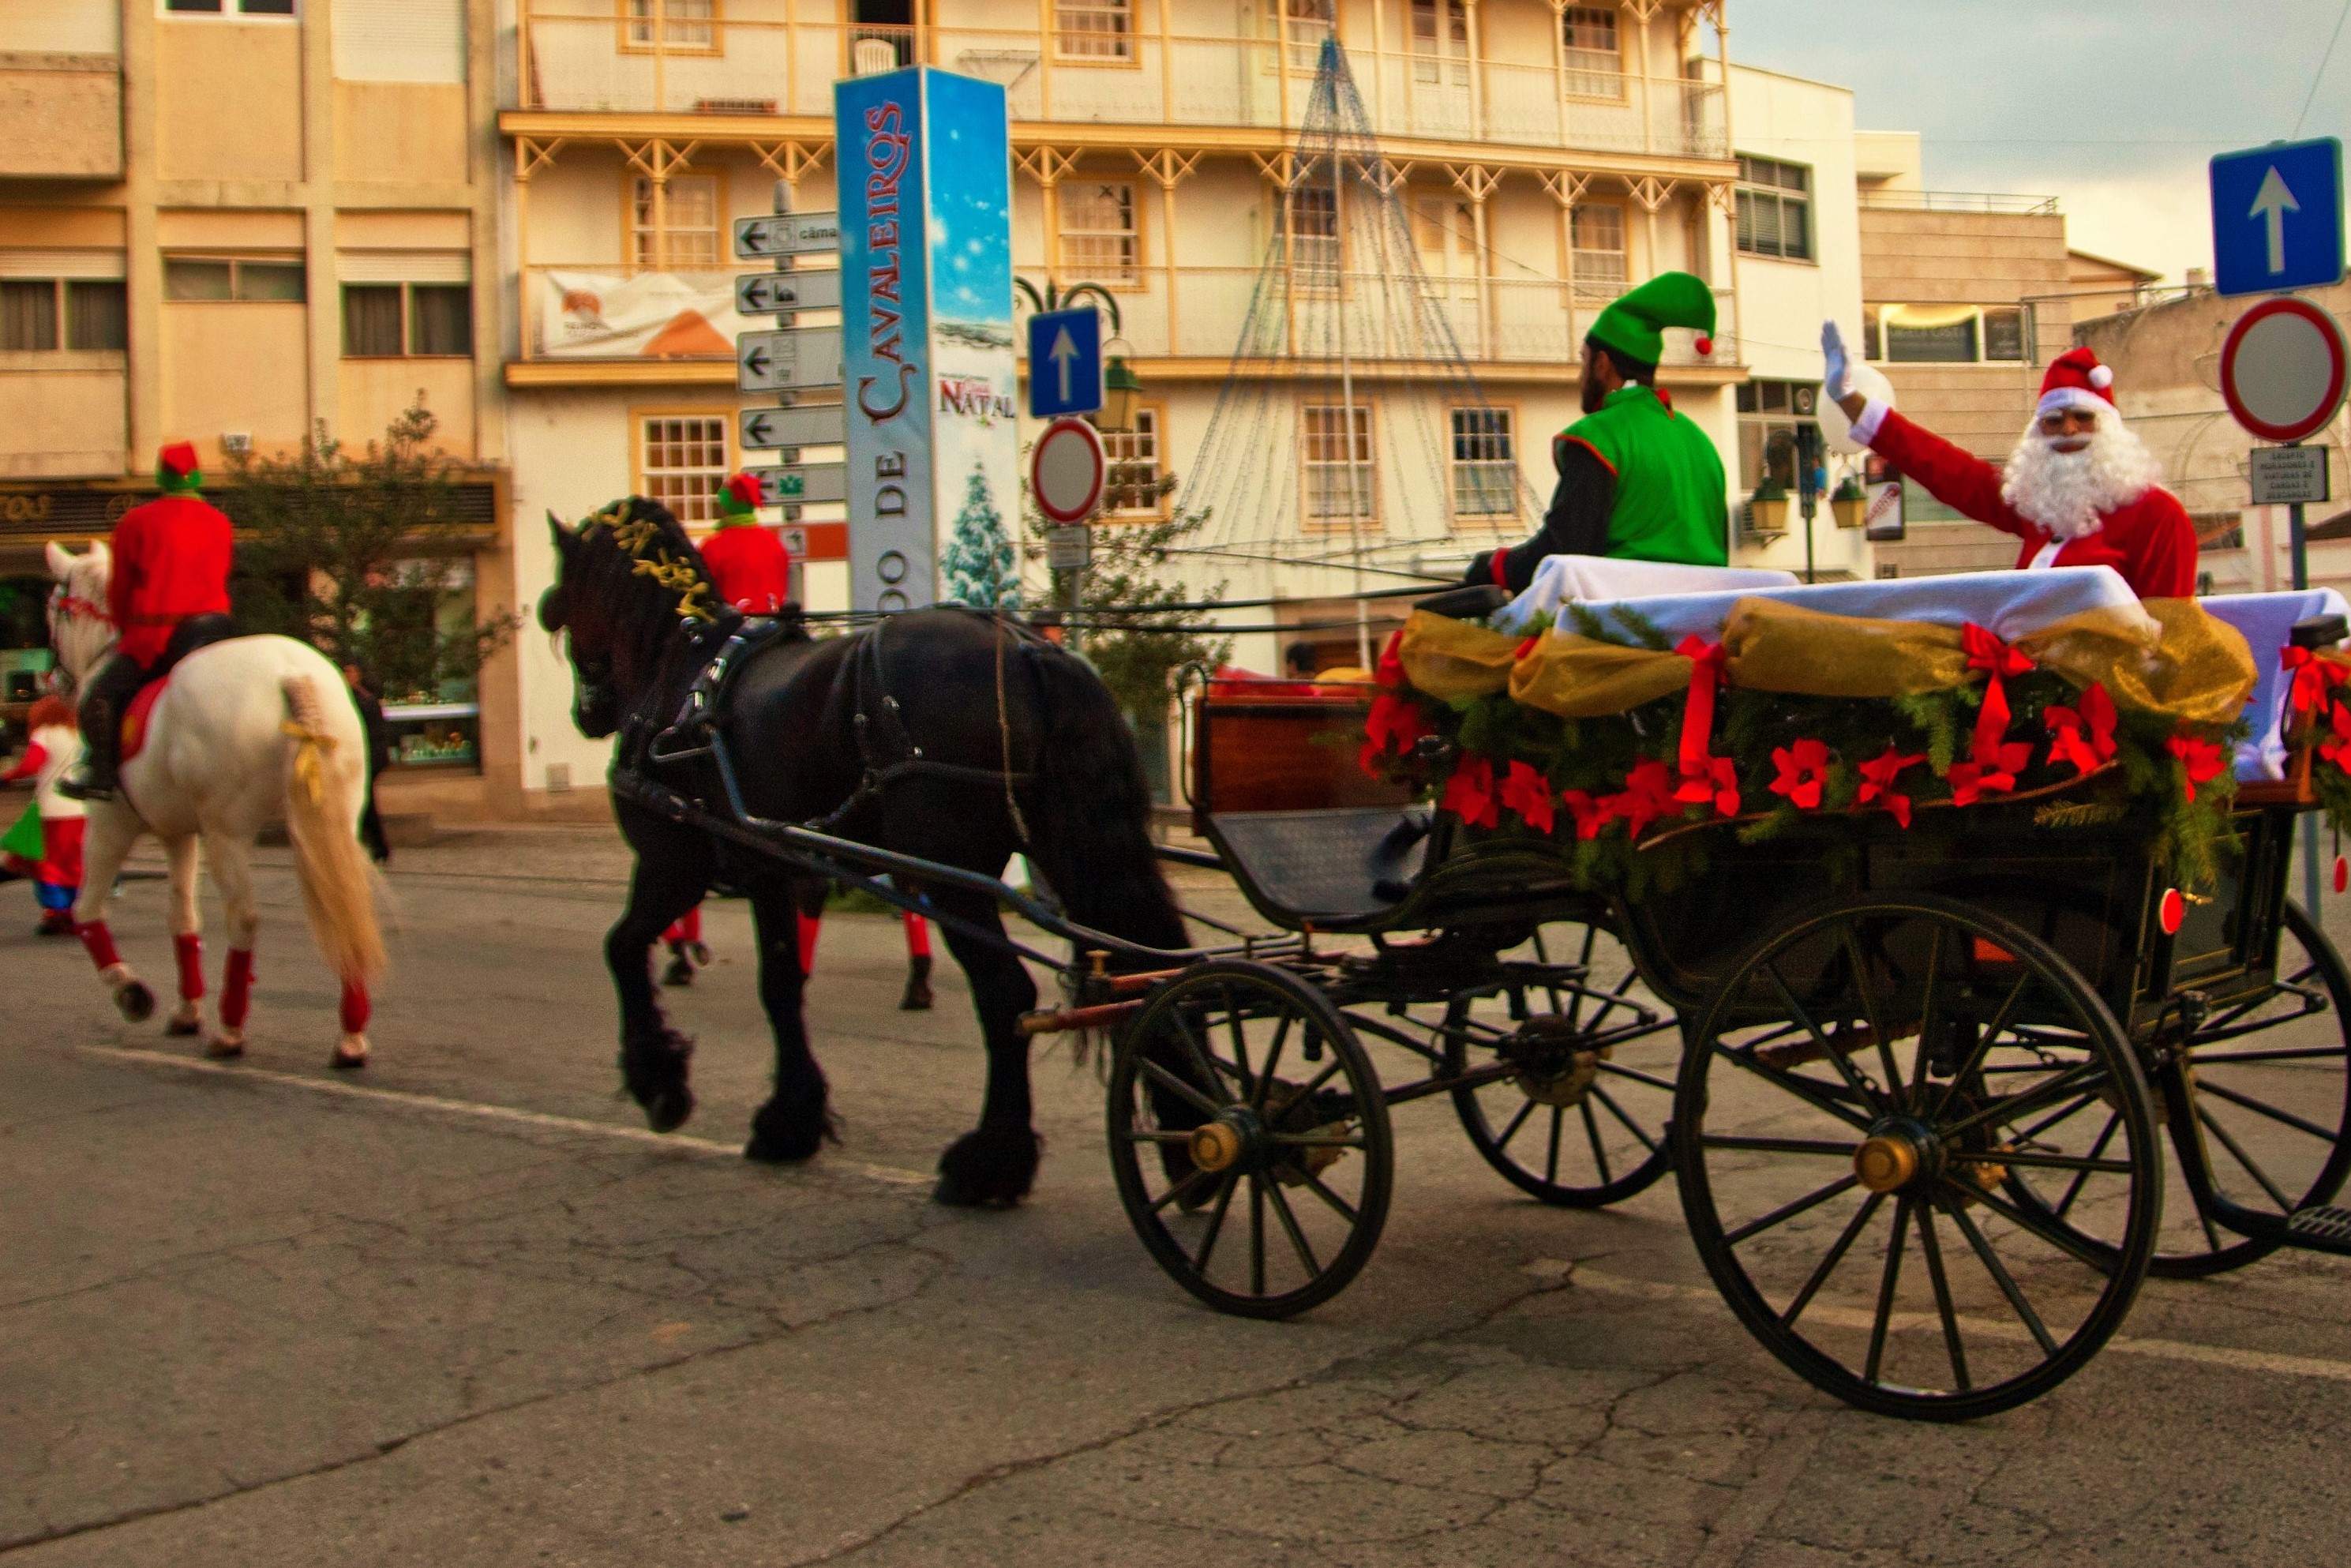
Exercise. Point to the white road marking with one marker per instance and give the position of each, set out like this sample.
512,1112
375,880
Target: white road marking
480,1110
1846,1317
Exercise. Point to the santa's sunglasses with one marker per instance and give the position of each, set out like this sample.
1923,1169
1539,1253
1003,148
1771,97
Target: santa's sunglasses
2069,422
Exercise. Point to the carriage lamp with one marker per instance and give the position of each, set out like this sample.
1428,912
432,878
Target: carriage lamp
1121,393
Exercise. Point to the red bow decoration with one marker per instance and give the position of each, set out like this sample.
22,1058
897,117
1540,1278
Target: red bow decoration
2093,717
1389,671
2338,749
1469,793
1648,794
1392,720
2200,760
1993,764
1803,772
1878,776
1528,793
1591,814
1705,778
2313,676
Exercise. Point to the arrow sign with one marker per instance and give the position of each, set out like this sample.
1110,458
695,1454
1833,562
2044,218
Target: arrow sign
2277,218
787,234
798,357
771,293
1065,363
809,482
811,424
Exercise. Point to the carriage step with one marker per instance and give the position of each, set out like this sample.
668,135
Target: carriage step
2324,1229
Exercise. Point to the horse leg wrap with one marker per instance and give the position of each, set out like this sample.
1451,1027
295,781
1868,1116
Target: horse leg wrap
809,924
918,935
236,988
100,943
190,951
355,1008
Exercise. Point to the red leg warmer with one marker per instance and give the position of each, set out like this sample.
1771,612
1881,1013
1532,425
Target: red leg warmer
355,1007
236,988
99,942
809,926
190,951
918,935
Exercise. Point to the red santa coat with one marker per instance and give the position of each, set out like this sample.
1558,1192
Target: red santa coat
2150,540
753,569
170,561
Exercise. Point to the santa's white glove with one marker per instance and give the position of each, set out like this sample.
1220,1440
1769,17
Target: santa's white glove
1837,379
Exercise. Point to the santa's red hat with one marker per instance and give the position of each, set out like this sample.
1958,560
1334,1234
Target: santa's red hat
2077,379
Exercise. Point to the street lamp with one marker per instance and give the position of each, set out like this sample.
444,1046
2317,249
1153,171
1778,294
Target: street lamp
1121,388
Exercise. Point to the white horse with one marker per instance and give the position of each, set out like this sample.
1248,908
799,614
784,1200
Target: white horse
248,731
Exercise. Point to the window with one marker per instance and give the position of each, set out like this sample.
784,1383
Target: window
1314,235
1132,488
399,40
1485,464
1440,41
1309,21
684,25
681,460
1769,414
227,278
387,320
228,7
687,233
1947,334
1094,30
1445,234
2005,334
1596,58
1340,484
1775,209
1100,242
1596,240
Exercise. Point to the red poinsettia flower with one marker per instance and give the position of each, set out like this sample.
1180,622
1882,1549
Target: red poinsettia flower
2338,749
1710,781
2200,761
2083,735
1648,794
1389,671
1878,776
1469,793
1803,772
1394,721
1528,793
1591,813
2313,676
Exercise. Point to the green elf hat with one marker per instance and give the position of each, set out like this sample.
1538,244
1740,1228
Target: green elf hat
738,500
176,473
1633,325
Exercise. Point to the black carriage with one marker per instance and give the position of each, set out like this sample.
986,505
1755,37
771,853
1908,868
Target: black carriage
1914,1082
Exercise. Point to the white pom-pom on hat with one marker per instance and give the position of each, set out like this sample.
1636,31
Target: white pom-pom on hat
2102,376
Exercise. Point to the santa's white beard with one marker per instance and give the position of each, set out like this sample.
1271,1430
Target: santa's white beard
2065,492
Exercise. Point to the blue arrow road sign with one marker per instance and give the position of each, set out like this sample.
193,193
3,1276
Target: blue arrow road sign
2277,218
1065,363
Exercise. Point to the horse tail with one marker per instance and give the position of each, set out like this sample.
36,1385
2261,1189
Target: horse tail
338,883
1090,810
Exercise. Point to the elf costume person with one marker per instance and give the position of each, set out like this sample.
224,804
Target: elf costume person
749,563
50,853
2078,489
1637,480
168,596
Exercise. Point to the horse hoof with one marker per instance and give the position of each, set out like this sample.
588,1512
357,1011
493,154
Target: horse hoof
349,1055
786,1135
700,953
669,1109
135,1001
679,973
917,998
221,1048
987,1170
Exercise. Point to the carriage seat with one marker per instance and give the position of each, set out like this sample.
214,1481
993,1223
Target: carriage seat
1327,866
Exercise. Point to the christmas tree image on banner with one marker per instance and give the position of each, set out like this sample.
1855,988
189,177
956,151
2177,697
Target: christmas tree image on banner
979,564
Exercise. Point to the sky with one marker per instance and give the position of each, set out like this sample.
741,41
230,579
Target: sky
2112,106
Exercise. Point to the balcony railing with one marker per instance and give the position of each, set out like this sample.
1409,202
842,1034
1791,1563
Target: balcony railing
1958,202
758,56
607,312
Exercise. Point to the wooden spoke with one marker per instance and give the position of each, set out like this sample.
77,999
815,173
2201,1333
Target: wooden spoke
1830,1260
1934,1252
2263,1108
1180,1089
1290,1225
2001,1277
1789,1211
1885,1285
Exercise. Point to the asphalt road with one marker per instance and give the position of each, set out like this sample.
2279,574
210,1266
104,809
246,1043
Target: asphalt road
463,1309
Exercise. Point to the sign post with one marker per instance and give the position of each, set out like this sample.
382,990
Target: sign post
2277,218
789,360
1066,471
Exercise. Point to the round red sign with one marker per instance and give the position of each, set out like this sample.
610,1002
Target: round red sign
2283,369
1066,470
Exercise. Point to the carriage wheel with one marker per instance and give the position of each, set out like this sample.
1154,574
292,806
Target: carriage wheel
1250,1139
1862,1086
1585,1124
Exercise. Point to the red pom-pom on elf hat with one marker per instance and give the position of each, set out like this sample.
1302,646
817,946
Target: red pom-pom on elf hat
2077,379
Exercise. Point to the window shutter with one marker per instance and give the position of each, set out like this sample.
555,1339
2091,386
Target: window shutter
399,40
403,266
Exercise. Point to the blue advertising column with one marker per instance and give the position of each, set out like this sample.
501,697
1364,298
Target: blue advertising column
930,377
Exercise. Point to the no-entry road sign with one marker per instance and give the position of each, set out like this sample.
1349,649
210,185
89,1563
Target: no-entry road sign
1066,470
2283,369
2277,218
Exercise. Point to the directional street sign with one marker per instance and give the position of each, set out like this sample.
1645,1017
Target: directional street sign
2277,218
797,356
2283,369
811,424
809,482
773,293
1065,363
1066,470
786,234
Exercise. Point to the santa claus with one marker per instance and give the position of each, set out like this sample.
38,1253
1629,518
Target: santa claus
2079,489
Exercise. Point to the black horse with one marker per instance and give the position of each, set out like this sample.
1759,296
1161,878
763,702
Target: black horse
1037,760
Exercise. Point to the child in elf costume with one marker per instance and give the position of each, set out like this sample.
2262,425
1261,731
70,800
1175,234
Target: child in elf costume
46,843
